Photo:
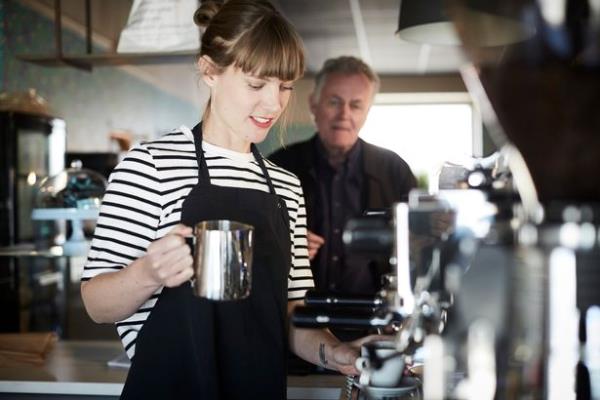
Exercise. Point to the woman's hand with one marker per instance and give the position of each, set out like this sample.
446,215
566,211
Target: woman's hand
114,296
345,354
168,261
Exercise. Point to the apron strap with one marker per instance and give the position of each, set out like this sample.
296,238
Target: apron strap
280,202
203,176
263,167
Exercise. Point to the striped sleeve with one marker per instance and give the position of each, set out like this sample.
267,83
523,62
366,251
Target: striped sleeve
287,185
129,215
127,224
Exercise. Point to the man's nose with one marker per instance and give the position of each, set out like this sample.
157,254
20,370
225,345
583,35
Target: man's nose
344,111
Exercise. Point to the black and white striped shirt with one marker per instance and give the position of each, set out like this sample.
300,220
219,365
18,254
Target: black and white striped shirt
144,198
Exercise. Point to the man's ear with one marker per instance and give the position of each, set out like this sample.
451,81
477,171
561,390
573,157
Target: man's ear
312,103
207,68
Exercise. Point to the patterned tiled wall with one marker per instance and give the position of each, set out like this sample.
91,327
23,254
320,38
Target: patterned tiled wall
92,104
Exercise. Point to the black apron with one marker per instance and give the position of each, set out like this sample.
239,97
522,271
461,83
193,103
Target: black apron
192,347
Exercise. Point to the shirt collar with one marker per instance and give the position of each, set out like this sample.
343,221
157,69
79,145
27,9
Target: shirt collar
352,162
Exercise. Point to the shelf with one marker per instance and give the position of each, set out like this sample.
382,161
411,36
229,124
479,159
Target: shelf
88,61
29,250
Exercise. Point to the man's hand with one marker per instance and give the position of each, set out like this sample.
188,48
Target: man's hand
314,244
168,260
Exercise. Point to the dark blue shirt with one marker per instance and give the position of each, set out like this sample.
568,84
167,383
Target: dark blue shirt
340,197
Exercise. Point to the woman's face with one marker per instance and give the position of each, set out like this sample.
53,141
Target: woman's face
244,107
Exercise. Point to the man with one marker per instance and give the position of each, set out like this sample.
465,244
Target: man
343,176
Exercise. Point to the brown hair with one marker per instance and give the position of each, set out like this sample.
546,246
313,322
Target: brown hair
346,65
253,36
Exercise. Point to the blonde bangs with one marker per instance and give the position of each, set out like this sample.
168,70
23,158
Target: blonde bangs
271,49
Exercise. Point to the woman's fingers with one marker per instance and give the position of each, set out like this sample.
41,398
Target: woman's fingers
169,257
371,338
174,261
184,275
345,357
171,240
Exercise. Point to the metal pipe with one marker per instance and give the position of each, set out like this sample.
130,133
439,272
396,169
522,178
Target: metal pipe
402,261
88,26
58,29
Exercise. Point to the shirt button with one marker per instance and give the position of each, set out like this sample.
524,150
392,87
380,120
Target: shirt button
336,231
336,204
334,258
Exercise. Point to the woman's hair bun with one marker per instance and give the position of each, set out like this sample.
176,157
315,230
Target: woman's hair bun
206,11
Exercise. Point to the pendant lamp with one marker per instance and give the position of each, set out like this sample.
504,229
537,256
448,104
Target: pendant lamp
428,22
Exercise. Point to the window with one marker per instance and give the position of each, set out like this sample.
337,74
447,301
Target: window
425,129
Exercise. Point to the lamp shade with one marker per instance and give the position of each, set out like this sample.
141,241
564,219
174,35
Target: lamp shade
426,22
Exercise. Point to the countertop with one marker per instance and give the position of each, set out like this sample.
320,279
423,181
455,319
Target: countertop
80,368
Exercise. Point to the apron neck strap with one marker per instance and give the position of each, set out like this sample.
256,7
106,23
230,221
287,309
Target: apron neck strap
204,177
261,162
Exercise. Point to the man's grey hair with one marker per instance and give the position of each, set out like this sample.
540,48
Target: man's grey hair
346,65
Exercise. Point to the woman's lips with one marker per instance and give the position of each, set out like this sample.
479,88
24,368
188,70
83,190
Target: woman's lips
262,122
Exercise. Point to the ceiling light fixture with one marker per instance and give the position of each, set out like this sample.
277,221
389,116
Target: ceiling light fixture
426,22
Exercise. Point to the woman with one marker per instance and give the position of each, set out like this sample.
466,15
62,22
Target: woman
139,267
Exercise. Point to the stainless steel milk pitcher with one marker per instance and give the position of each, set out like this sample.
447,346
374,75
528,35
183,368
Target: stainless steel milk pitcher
223,260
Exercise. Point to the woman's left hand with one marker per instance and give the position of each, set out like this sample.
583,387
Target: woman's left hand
344,354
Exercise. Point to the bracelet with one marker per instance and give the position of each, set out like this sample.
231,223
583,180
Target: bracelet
322,358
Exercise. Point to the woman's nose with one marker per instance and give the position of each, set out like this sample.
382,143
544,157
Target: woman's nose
271,100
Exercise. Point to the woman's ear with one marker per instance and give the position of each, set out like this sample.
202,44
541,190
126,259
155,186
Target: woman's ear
207,68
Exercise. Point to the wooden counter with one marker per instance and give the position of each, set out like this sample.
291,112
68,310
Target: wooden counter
80,368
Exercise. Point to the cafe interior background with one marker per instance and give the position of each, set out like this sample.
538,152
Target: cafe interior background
423,112
149,100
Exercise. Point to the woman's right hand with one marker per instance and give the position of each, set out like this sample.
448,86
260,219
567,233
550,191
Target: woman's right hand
168,260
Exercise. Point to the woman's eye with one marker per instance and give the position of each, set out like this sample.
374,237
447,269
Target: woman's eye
256,86
283,87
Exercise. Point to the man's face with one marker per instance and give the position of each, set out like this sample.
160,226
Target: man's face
341,109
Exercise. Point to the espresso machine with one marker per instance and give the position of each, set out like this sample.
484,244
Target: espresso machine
495,289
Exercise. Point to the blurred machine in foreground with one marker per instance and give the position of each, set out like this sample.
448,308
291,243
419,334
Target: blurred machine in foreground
494,287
